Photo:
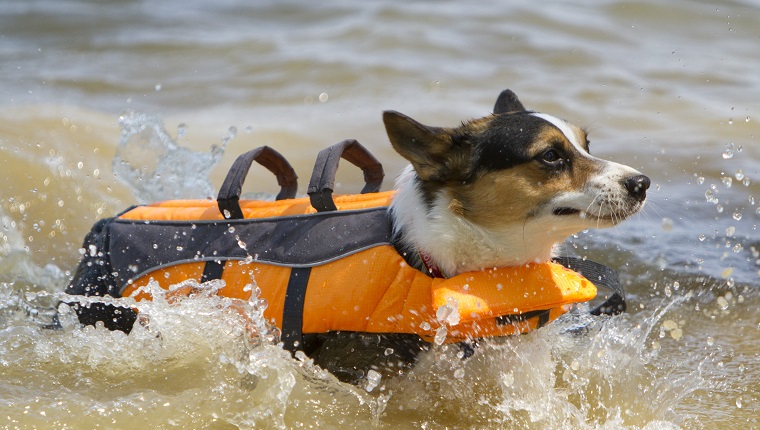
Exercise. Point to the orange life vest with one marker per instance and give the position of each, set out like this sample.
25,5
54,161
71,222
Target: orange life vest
375,290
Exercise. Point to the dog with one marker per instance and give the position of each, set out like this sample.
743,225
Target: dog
498,191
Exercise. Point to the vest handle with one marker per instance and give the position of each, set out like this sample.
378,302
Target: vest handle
228,198
322,181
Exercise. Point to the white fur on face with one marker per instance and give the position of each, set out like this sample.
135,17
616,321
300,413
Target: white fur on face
604,197
565,128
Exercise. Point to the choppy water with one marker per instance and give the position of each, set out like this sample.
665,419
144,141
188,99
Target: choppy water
100,102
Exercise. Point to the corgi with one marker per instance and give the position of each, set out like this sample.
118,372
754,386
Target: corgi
503,190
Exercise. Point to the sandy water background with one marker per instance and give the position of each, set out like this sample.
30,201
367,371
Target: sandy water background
672,89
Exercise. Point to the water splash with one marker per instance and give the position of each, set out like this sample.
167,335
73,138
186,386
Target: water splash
155,167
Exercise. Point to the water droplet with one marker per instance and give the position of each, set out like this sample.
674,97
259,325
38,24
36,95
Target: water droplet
729,151
746,182
323,97
710,341
231,229
747,119
722,303
157,87
701,180
730,231
739,399
727,181
710,197
227,214
373,379
180,248
388,351
737,216
667,224
181,130
719,208
739,175
440,335
738,248
702,237
459,373
425,325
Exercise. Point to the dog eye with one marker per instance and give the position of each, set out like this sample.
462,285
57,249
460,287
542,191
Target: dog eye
550,156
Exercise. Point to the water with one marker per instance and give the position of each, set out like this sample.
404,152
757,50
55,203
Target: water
669,88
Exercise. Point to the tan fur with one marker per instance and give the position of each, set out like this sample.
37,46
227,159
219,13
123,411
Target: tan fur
508,196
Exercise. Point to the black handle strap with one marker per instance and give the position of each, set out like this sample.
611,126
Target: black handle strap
599,275
322,181
229,195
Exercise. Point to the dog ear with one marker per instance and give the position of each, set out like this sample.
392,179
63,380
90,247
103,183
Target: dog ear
424,146
507,102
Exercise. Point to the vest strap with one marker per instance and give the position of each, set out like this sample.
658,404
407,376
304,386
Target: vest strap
228,198
213,269
292,313
601,276
542,315
322,181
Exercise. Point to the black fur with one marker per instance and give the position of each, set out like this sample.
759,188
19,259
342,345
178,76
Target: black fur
504,144
507,102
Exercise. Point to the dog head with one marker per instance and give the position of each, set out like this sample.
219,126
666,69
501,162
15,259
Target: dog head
502,190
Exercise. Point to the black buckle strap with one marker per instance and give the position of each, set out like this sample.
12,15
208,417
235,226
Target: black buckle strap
322,181
601,276
292,313
229,195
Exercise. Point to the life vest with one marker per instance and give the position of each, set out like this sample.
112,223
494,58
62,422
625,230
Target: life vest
323,263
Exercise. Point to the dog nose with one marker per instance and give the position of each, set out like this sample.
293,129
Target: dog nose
637,186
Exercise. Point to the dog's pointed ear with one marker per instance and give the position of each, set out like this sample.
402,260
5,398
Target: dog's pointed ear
424,146
507,102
